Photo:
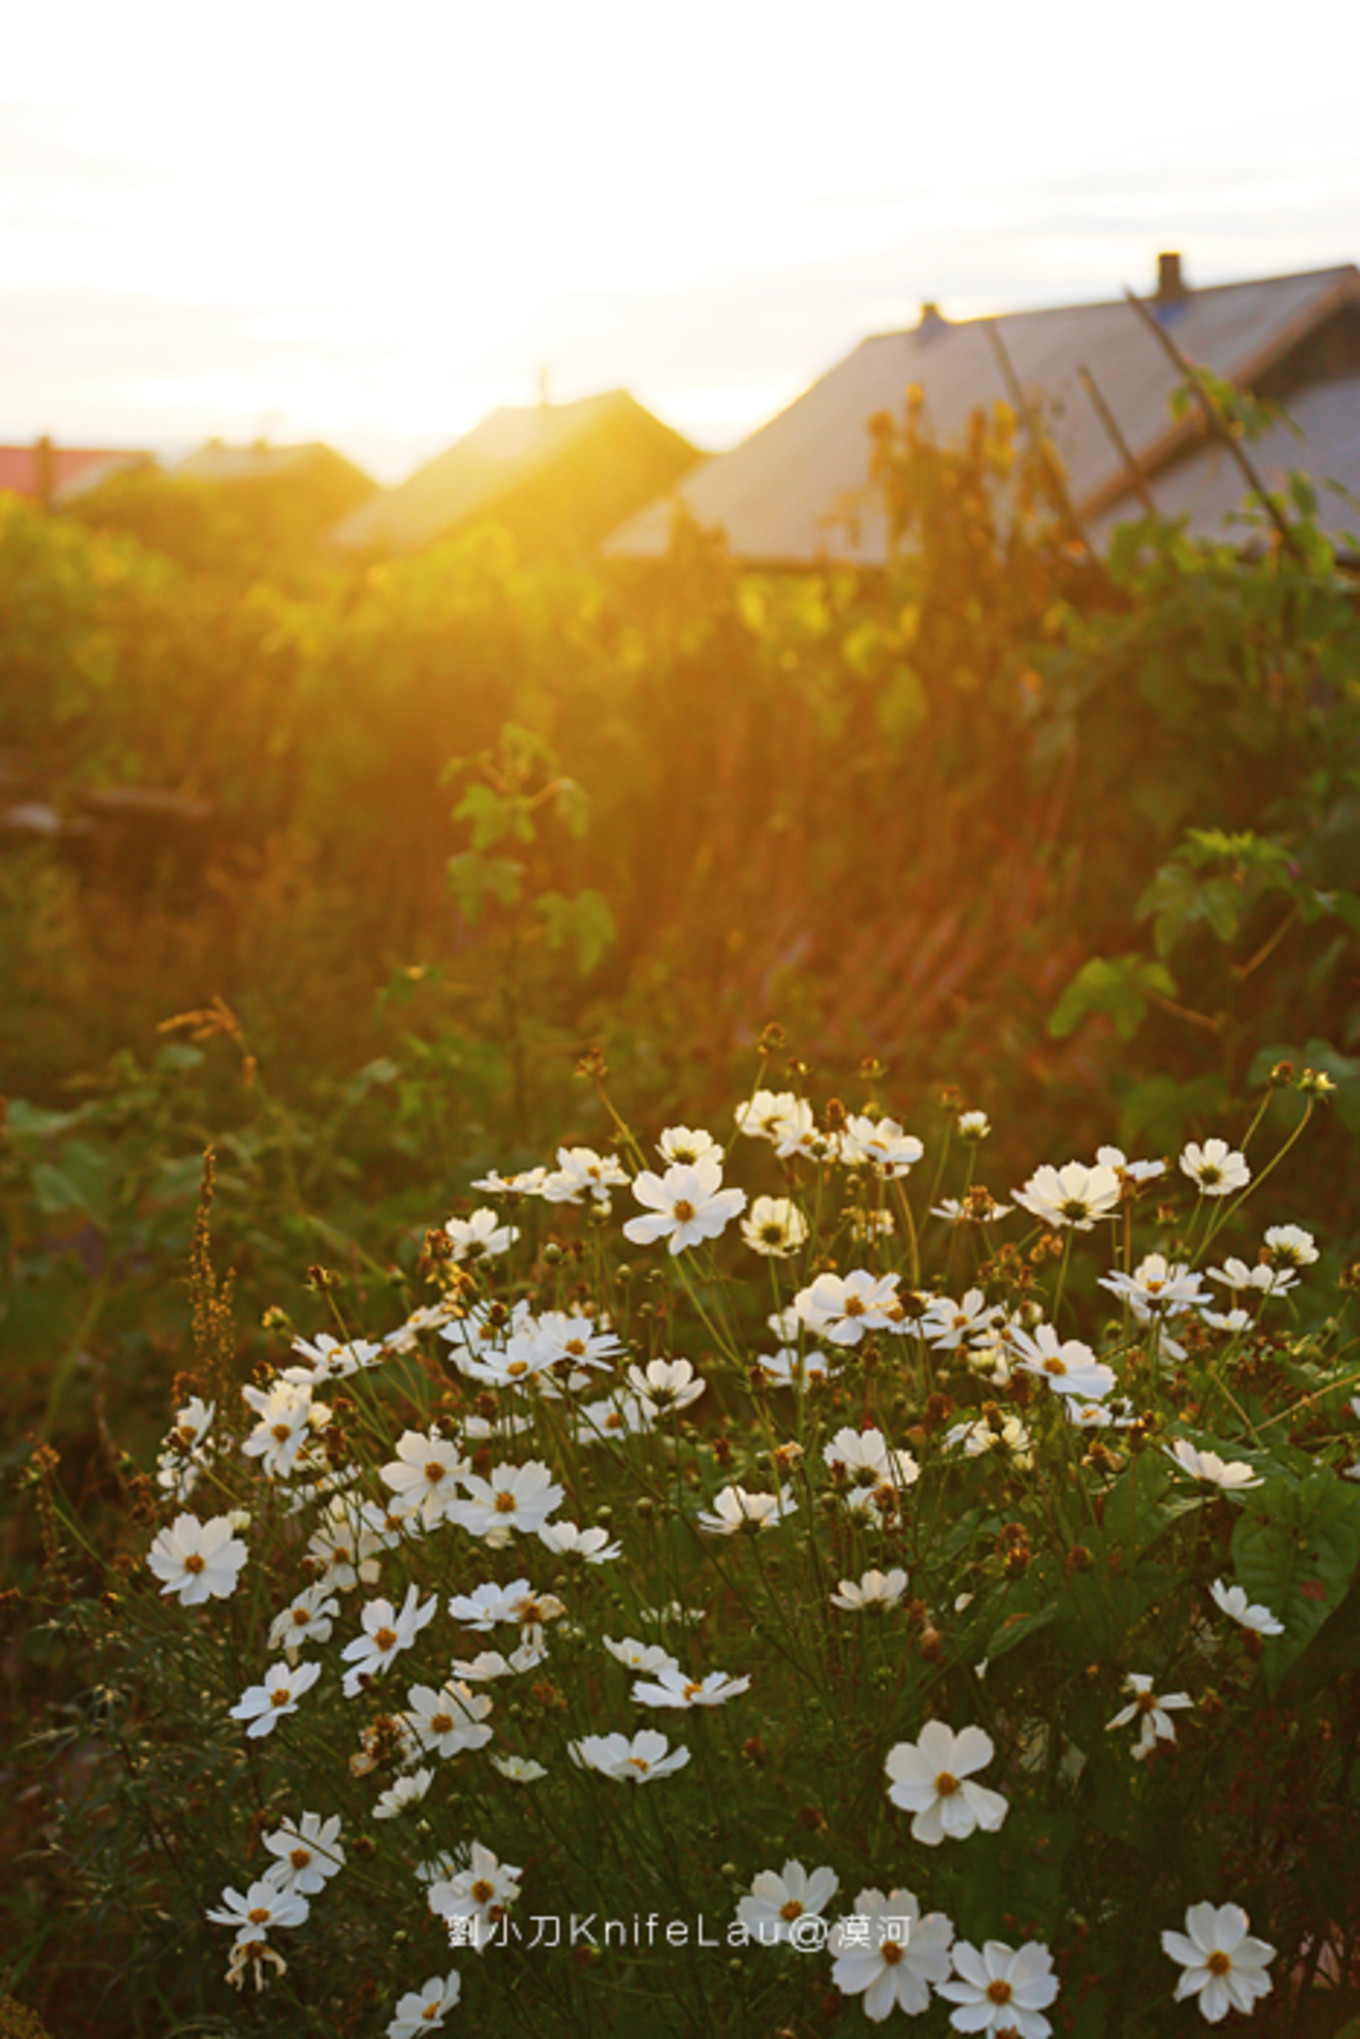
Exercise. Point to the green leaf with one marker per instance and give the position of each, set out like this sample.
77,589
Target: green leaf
475,880
1121,988
584,924
82,1183
1295,1549
492,817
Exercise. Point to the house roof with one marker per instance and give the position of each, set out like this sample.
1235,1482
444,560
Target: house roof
1319,435
46,469
216,462
506,452
783,496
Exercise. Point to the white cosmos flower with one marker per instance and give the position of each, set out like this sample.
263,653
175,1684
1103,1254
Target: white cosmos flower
308,1854
1261,1276
590,1546
862,1458
571,1336
974,1125
196,1561
1157,1286
640,1656
1224,1967
1069,1367
778,1116
489,1664
665,1385
1009,1435
880,1144
529,1182
401,1795
287,1416
330,1359
875,1592
513,1498
641,1760
386,1631
686,1144
931,1779
613,1417
945,1324
480,1237
672,1688
1216,1169
347,1542
486,1606
1232,1601
308,1617
1232,1474
735,1510
685,1206
518,1769
979,1207
1290,1246
869,1224
893,1964
1072,1195
264,1905
775,1227
582,1176
1152,1711
484,1888
1129,1171
1002,1989
449,1720
841,1308
775,1903
424,1476
789,1368
422,2010
265,1705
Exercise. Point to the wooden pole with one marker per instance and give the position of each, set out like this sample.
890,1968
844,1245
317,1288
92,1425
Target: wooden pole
1121,445
1213,417
1038,440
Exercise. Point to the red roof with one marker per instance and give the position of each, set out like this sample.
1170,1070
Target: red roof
21,466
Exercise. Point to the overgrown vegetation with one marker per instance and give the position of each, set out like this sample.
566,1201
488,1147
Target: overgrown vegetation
1079,837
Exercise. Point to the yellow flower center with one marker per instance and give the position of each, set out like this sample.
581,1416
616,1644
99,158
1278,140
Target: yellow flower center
892,1952
194,1563
1218,1963
1054,1365
684,1211
639,1765
482,1891
259,1916
441,1723
280,1696
691,1690
300,1857
505,1503
282,1431
385,1638
300,1617
434,1472
946,1784
854,1306
791,1911
518,1367
1146,1702
999,1992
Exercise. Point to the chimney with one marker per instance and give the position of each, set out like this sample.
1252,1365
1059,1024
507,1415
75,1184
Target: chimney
931,323
1171,285
44,471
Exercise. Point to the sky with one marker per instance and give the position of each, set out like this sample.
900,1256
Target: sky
371,224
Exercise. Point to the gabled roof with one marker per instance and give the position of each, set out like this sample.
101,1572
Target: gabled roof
216,462
513,450
784,495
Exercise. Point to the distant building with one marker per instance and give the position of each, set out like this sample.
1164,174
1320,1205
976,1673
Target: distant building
559,477
51,475
796,493
303,488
